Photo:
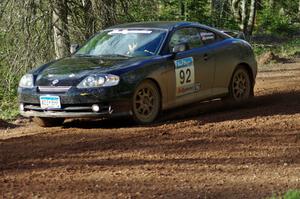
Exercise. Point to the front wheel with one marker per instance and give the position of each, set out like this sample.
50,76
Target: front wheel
240,88
146,103
48,122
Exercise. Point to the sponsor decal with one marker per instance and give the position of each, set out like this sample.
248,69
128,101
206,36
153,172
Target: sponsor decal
185,76
54,82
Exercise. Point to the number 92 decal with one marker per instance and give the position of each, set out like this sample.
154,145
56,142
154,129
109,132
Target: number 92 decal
185,76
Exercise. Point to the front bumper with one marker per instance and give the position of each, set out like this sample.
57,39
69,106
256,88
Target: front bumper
64,114
76,103
53,114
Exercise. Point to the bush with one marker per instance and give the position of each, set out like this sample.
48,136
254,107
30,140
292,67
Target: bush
284,47
275,22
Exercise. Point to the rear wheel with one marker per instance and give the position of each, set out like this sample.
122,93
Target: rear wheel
240,88
146,102
48,122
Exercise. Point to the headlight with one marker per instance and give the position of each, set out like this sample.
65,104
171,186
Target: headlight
94,81
26,81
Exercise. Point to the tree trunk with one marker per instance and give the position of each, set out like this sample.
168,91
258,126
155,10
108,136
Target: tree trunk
60,28
88,18
108,10
213,12
236,10
217,11
244,16
182,9
271,4
243,23
299,9
251,20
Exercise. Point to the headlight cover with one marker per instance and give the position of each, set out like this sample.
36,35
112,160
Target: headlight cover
95,81
26,81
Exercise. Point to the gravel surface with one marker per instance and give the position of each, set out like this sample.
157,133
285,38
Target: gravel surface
213,150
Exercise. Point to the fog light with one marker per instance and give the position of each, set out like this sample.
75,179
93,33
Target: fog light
96,108
21,107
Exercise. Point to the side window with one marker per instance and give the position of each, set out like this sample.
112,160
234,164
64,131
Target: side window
208,37
189,36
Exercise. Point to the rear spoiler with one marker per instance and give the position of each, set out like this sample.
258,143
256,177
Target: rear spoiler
235,34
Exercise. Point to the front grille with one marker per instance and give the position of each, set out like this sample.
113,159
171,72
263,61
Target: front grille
53,89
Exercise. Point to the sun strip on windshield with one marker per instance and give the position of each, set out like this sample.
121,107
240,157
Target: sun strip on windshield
126,31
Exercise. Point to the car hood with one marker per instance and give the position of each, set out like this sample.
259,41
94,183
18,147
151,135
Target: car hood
70,71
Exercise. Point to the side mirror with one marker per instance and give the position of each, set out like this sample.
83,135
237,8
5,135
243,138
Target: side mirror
74,48
179,48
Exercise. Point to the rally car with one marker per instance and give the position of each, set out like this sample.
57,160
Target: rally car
139,69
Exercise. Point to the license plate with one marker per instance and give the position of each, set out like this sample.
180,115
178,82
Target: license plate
50,102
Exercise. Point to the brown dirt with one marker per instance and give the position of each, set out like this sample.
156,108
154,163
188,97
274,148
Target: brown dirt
297,54
5,125
209,151
270,57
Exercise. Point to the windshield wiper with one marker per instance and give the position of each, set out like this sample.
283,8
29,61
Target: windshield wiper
115,55
83,55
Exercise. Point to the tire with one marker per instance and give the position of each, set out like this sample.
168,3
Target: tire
240,88
48,122
146,103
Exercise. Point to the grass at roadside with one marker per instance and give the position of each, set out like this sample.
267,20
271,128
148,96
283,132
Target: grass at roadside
9,109
286,48
292,194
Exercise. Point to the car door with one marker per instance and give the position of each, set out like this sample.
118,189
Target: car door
194,68
223,53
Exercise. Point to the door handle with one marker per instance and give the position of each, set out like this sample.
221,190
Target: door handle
205,57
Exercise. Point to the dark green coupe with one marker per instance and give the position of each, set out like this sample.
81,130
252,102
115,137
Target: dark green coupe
139,70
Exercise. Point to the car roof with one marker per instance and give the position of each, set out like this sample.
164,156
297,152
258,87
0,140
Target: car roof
169,25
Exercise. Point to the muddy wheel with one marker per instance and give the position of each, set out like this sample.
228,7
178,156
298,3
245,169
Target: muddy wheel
240,88
146,103
48,122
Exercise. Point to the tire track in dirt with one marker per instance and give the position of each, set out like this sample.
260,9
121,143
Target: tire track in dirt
213,150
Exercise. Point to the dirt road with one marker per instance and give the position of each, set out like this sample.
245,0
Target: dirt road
212,151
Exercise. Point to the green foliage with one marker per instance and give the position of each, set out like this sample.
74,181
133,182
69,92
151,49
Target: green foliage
143,10
197,11
288,195
286,48
9,109
8,95
275,22
289,48
24,44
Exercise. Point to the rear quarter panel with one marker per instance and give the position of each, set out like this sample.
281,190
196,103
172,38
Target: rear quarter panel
229,54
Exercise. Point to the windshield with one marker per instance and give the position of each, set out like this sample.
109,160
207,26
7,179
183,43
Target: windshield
124,43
